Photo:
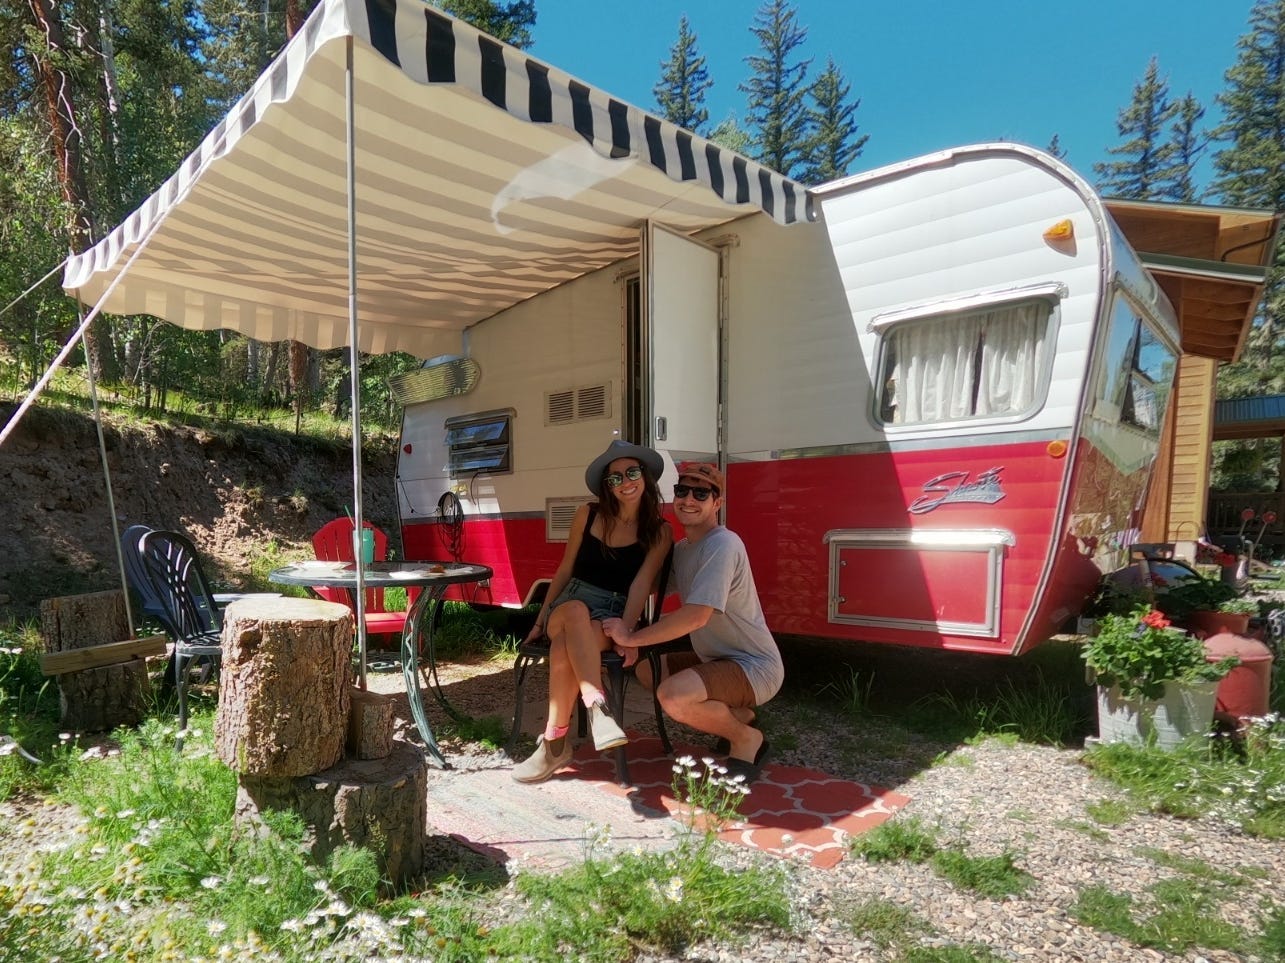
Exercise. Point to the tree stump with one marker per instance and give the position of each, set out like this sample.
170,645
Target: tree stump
378,804
103,697
370,725
283,696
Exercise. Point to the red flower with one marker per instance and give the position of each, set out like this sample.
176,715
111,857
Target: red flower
1156,620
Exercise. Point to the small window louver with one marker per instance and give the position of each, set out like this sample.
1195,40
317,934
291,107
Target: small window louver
591,402
560,407
559,513
577,404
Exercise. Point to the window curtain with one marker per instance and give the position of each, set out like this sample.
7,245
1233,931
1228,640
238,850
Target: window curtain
987,363
1012,346
933,375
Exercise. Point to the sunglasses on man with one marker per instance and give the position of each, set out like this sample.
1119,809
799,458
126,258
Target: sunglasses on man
700,494
615,479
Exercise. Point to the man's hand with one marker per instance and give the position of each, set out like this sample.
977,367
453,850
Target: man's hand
615,630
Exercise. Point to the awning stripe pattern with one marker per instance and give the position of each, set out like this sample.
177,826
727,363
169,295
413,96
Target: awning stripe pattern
432,47
484,177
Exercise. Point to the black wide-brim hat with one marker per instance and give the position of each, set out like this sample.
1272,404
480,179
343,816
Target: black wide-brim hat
650,460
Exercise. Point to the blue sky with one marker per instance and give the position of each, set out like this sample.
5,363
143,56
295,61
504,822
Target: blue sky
930,73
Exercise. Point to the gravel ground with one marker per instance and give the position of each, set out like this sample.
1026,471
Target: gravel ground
989,799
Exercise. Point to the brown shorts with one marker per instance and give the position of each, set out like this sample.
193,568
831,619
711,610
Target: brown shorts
725,681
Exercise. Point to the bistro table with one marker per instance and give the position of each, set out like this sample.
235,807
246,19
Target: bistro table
421,619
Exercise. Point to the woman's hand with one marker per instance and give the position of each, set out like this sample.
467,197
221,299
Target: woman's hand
629,652
537,631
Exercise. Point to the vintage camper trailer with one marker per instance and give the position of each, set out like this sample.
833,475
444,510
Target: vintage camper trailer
938,403
937,387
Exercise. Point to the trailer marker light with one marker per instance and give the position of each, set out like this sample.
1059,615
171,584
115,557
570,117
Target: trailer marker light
407,447
1056,449
1063,230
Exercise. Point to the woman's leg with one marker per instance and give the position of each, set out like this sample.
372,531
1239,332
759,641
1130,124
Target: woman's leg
575,657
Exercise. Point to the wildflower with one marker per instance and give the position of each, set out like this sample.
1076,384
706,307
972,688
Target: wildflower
216,927
674,891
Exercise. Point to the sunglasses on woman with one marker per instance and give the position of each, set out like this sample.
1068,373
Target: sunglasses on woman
615,479
700,494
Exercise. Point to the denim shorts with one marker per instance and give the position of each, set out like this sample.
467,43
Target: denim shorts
601,603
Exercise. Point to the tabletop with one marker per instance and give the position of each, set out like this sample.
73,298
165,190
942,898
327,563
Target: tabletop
379,574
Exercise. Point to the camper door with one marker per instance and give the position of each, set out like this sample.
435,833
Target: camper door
681,318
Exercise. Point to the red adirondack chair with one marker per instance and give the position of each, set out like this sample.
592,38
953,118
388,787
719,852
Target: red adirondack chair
333,543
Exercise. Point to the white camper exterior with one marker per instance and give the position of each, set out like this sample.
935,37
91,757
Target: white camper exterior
937,404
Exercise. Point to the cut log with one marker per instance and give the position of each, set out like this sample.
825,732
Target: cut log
370,724
110,653
103,697
283,696
378,804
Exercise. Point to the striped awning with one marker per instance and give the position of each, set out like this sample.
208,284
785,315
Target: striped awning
483,177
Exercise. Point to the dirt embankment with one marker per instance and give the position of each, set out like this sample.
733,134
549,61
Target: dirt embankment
235,491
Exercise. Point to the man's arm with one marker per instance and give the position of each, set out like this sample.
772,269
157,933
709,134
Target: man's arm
682,621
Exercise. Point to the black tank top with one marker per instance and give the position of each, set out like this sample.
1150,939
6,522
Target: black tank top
612,568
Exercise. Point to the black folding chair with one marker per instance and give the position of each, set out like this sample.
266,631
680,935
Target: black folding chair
175,592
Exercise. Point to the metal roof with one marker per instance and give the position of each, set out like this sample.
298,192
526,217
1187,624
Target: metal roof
1260,417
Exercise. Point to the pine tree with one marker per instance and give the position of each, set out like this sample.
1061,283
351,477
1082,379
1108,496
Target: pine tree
776,108
834,143
680,92
1251,173
730,134
1055,148
510,22
1147,159
1188,144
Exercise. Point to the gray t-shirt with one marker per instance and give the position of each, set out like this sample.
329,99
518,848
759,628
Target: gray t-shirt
716,572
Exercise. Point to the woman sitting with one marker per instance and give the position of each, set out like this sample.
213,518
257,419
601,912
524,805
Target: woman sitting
613,555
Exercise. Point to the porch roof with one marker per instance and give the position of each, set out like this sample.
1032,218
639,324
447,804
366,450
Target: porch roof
1210,261
1261,417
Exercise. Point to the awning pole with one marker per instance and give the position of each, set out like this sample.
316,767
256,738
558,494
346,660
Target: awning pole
354,372
107,480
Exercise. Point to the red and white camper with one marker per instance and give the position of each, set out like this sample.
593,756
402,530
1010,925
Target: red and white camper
937,404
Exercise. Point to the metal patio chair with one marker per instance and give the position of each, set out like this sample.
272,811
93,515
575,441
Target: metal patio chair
176,593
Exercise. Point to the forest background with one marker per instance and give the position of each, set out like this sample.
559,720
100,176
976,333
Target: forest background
100,101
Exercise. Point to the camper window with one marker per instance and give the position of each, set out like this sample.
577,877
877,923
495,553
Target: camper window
985,363
1137,372
479,443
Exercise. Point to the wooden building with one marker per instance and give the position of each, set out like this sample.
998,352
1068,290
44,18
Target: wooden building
1212,263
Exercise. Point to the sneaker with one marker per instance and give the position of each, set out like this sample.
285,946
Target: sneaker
545,761
607,734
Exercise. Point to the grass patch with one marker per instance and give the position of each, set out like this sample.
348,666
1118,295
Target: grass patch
28,713
1110,812
896,840
884,923
950,954
1182,917
991,876
1243,784
1037,710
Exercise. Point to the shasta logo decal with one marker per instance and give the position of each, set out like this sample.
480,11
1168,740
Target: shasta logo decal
954,486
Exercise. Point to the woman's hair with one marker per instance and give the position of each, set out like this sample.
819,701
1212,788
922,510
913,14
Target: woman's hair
650,520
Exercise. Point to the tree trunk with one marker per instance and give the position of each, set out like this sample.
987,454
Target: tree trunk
57,87
379,804
104,697
283,695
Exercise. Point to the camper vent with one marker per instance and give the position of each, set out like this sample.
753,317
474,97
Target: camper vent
558,515
578,404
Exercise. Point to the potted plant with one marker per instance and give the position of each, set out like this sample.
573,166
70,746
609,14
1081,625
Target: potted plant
1207,605
1153,679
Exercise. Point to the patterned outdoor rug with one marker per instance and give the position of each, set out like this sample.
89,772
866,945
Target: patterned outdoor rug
791,811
